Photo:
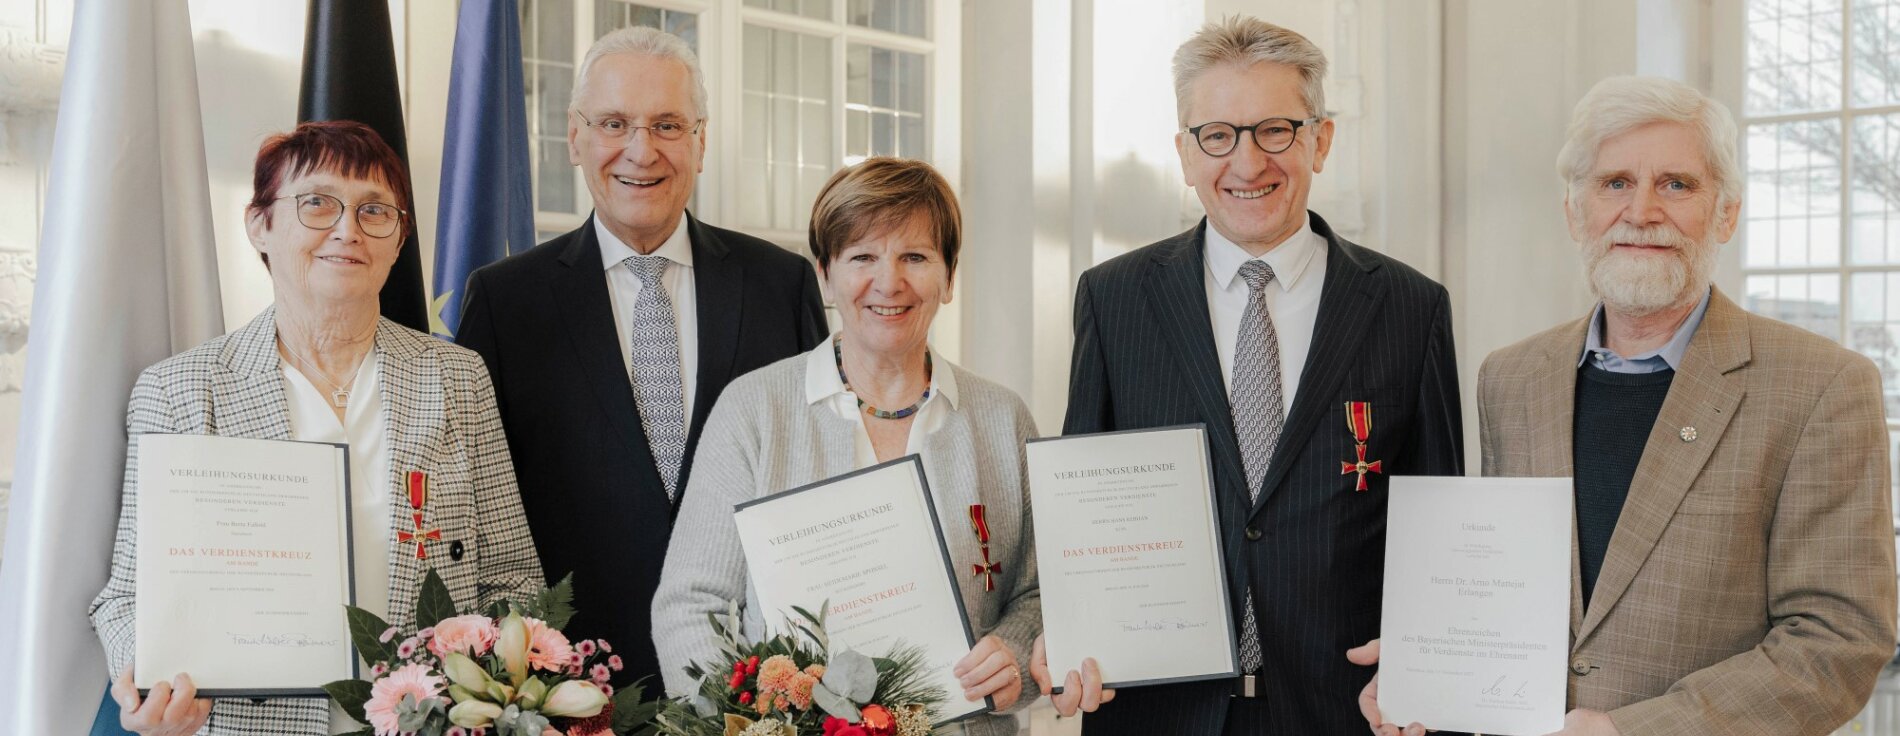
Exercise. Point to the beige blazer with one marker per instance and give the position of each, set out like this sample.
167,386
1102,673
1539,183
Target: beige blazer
1749,585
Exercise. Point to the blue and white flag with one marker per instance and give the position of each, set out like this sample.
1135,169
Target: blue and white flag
485,212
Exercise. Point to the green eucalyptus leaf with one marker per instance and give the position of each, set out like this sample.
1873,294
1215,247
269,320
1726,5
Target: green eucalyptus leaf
350,695
852,675
433,602
833,703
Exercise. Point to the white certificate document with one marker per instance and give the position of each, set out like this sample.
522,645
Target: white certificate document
243,565
869,546
1476,625
1129,557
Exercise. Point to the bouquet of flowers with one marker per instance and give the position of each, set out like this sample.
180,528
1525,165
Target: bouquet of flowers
794,685
505,671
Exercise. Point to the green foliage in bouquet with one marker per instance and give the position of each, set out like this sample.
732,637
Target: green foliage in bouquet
793,684
507,669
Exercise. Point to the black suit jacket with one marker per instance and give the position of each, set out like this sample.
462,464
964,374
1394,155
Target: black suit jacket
543,323
1311,548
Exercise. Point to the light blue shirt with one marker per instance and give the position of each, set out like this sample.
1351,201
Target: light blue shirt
1667,357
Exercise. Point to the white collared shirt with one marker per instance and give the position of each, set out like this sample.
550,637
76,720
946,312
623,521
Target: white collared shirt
823,387
1299,272
312,420
623,291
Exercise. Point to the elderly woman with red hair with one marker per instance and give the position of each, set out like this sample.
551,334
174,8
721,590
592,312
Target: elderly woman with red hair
328,213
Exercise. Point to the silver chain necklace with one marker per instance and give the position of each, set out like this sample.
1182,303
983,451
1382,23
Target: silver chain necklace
339,396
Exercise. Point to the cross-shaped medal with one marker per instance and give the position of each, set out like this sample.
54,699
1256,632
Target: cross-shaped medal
1359,422
419,495
988,570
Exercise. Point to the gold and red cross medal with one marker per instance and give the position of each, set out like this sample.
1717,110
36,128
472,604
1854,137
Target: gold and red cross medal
988,569
418,495
1359,420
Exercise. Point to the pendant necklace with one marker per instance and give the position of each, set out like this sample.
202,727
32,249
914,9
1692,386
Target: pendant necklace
339,396
837,351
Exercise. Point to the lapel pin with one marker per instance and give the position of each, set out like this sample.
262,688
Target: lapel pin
1687,434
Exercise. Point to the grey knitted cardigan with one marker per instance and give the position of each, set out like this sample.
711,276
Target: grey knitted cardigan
763,437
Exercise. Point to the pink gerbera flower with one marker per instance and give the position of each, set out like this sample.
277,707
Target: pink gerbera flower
387,693
547,649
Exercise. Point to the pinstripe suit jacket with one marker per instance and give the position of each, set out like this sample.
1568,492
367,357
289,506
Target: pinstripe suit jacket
1749,585
1310,548
439,412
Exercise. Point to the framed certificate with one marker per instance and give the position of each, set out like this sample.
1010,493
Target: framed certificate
1129,556
1475,631
869,547
243,565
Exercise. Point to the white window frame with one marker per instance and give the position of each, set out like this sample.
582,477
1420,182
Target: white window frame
1728,78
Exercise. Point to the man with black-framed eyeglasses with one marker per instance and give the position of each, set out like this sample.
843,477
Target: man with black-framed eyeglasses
1301,353
609,344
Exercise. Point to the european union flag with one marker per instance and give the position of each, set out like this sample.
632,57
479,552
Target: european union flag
485,213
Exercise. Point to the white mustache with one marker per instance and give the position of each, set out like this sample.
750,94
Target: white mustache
1654,235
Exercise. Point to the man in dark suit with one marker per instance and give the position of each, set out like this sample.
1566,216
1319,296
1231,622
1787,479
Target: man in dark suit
609,345
1302,353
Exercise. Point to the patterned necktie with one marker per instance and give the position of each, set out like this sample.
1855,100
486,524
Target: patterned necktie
1257,415
657,388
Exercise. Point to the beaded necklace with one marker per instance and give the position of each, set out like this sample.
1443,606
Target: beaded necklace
837,351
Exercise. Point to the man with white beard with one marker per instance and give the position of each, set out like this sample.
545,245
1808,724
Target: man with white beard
1733,564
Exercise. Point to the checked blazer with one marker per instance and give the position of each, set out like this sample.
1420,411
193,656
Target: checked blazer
1311,548
1749,585
439,414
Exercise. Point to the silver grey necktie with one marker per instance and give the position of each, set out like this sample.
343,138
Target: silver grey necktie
657,388
1258,419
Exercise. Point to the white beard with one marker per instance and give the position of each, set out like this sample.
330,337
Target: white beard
1639,284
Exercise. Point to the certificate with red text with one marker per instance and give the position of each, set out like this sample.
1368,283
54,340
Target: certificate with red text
243,565
1129,557
868,547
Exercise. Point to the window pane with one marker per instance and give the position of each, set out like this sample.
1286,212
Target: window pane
897,16
1876,54
820,9
553,30
1794,198
1808,300
1874,329
886,88
787,112
548,98
554,178
1875,196
613,15
1793,56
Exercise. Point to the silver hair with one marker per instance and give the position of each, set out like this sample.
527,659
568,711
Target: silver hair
1247,41
1618,105
648,42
